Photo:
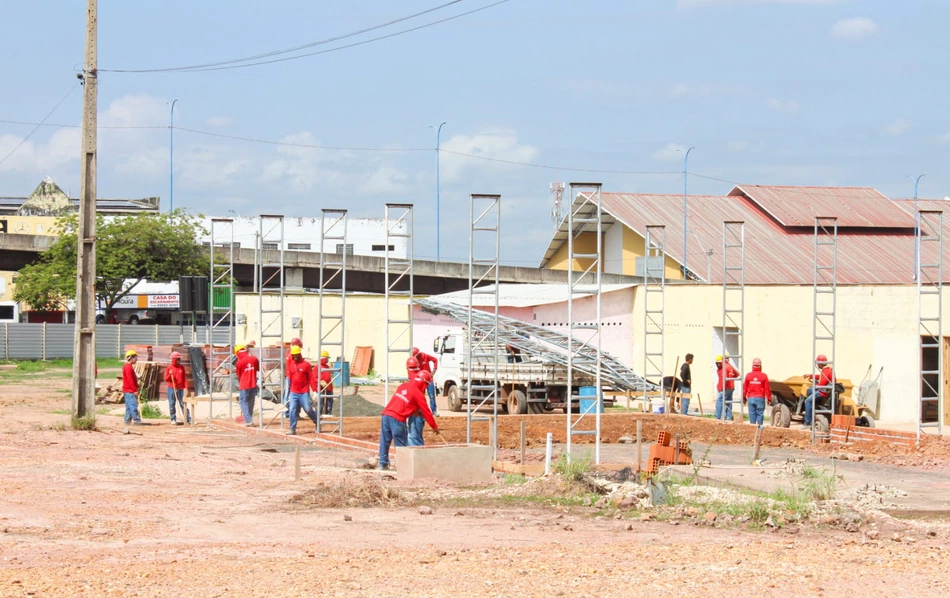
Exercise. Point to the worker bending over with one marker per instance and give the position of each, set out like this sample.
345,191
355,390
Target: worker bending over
428,363
415,422
407,399
756,391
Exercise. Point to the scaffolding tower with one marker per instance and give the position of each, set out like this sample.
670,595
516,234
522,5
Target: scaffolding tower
654,296
733,310
220,312
399,287
585,216
825,297
482,341
270,296
930,412
332,323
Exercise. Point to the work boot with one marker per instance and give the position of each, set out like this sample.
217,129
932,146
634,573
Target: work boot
181,423
291,432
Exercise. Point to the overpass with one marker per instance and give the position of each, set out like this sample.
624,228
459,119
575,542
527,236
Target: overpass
363,273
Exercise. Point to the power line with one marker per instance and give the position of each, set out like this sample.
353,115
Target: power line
62,126
248,62
40,124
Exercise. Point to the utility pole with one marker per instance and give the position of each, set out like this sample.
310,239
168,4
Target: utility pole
84,347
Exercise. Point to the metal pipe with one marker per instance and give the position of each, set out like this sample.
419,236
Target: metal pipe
171,157
685,204
916,224
438,134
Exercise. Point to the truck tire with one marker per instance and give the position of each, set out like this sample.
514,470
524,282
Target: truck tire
821,424
865,421
781,416
455,399
133,319
517,403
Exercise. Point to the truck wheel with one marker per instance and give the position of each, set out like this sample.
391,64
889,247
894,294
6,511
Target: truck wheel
517,403
781,416
865,421
455,399
134,320
821,424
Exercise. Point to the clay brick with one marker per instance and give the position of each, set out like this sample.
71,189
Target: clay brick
663,438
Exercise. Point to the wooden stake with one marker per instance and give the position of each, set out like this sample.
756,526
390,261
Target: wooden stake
523,430
756,444
700,401
672,391
297,464
639,445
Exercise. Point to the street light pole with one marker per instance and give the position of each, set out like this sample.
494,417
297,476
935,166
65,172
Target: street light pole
438,135
685,205
916,224
171,157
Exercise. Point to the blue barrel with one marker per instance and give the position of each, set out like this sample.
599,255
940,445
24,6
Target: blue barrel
339,367
593,403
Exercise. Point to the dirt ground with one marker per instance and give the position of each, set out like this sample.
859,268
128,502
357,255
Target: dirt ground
181,511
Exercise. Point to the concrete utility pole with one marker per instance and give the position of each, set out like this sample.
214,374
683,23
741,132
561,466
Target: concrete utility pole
84,347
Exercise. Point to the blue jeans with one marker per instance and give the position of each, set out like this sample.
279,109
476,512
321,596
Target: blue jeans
175,397
432,406
298,401
724,398
810,404
392,431
415,425
325,404
757,411
684,402
246,398
131,408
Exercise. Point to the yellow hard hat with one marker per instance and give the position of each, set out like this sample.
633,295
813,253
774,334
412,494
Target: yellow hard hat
295,350
131,353
238,348
325,354
718,358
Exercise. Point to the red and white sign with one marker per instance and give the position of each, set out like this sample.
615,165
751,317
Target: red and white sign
163,302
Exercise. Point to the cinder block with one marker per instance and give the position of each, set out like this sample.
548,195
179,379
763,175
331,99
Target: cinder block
468,464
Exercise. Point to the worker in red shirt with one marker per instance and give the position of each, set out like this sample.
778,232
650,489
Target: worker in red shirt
725,387
756,391
247,369
175,381
428,363
407,399
301,383
288,363
416,422
822,388
323,384
130,389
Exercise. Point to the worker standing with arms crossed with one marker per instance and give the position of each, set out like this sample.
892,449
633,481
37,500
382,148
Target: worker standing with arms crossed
428,363
130,390
407,399
756,391
247,369
175,379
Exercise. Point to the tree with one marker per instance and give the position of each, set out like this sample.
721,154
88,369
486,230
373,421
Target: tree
129,249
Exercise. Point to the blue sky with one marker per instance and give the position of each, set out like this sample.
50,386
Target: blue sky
810,92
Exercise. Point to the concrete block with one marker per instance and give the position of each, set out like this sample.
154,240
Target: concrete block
467,464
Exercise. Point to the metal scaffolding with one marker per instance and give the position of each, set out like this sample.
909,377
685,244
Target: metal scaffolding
221,311
733,309
823,328
270,295
929,243
332,324
482,341
654,296
585,215
399,286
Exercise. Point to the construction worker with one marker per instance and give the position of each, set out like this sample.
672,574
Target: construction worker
130,389
415,422
323,384
175,380
686,383
247,370
288,364
428,363
725,387
301,383
822,387
407,399
756,391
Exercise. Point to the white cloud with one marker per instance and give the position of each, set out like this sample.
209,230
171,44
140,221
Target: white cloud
672,152
304,167
387,180
683,4
499,144
40,158
899,127
854,29
788,107
944,138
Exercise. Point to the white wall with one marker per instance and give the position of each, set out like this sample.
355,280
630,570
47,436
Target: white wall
613,249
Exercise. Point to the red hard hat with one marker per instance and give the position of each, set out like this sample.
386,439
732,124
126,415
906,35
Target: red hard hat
415,351
176,355
412,364
821,358
424,377
296,342
757,364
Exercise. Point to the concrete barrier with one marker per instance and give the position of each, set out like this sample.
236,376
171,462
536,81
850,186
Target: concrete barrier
467,464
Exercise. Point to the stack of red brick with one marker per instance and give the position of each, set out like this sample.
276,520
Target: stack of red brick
844,430
662,453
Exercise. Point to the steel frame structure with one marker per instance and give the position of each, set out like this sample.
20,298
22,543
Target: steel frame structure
585,215
269,278
929,243
654,297
399,286
825,302
482,341
331,328
221,278
733,307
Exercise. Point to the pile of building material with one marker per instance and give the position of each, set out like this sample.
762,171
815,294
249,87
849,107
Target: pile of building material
662,453
150,378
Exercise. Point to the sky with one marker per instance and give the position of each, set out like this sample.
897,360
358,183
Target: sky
780,92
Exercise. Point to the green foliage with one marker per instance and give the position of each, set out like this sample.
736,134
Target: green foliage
87,422
513,479
573,469
149,411
158,247
818,485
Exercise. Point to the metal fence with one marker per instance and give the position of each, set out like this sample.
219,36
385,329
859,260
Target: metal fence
53,341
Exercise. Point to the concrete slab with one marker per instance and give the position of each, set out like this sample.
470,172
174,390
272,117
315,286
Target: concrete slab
466,464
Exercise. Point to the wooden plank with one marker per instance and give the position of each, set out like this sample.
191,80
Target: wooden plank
361,361
533,469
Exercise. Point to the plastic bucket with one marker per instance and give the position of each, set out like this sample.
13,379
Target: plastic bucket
658,408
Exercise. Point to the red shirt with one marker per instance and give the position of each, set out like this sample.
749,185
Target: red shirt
289,359
175,376
247,368
130,381
731,372
325,376
300,374
407,400
756,386
424,360
827,378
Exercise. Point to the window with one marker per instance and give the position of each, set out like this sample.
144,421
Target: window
270,246
299,246
349,248
383,248
6,312
449,345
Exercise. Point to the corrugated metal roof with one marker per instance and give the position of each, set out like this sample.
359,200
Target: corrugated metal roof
523,295
852,206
